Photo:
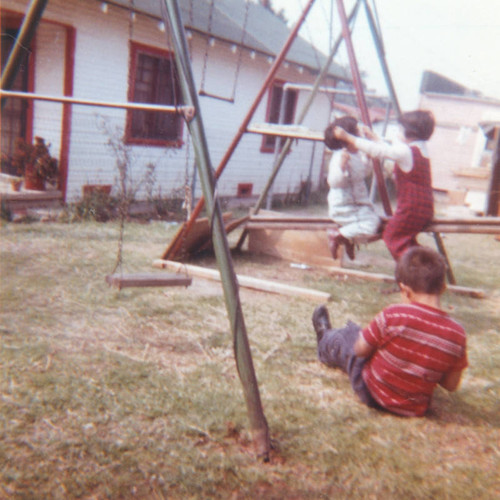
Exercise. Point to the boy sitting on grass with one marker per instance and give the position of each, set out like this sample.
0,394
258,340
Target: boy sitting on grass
408,348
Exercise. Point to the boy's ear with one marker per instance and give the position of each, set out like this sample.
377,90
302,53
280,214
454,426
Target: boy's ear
405,289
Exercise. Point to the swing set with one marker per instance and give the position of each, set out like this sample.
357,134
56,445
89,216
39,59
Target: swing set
256,222
190,110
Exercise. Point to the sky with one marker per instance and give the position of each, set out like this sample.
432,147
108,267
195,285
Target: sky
459,39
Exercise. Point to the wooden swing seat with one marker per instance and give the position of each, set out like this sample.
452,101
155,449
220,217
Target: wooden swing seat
147,280
473,225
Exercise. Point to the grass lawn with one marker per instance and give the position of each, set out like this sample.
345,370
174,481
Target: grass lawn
134,393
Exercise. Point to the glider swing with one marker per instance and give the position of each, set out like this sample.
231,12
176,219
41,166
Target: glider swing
437,225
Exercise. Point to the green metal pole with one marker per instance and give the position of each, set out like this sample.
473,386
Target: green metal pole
23,40
244,363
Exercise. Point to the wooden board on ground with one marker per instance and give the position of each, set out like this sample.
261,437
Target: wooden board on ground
147,280
354,273
197,239
245,281
295,245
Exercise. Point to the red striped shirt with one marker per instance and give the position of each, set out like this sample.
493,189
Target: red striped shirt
416,345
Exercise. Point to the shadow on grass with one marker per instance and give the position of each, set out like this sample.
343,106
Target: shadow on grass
458,409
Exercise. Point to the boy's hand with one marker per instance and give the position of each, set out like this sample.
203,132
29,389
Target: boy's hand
340,133
367,132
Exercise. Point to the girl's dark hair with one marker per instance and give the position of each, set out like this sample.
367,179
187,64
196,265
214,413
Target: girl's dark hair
422,269
348,123
417,124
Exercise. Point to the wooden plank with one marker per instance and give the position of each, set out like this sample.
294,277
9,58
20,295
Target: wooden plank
494,221
297,226
308,247
147,280
459,290
23,200
281,130
476,225
199,237
245,281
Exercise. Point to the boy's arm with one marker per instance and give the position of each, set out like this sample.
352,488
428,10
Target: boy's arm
451,380
399,151
362,348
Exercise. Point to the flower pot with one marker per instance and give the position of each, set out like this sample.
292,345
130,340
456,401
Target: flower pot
32,180
16,184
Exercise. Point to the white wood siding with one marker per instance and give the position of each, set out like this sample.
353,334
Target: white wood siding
101,72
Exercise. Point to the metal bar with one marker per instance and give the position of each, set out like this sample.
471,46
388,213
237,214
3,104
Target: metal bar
176,243
229,281
23,40
105,104
381,55
360,96
329,90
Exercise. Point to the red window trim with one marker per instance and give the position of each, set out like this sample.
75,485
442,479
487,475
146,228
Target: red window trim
136,47
13,20
264,148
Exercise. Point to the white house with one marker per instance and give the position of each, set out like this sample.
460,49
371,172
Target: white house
119,51
461,152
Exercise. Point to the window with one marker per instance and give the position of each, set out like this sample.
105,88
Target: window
15,117
274,109
153,80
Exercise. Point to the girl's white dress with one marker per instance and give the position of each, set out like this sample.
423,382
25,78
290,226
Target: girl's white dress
349,203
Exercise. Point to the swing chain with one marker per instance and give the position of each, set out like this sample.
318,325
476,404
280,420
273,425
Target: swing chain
205,57
240,54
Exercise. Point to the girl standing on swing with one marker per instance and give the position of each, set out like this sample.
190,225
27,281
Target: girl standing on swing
415,203
349,203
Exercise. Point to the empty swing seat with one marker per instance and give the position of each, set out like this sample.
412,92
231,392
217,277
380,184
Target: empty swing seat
147,280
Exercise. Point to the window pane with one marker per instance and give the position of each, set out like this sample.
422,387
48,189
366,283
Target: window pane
14,112
155,83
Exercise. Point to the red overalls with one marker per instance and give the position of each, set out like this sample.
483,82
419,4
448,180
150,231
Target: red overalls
415,205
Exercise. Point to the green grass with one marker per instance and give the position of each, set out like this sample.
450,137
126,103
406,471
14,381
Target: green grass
135,394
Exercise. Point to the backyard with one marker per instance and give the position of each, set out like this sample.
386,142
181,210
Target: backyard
135,393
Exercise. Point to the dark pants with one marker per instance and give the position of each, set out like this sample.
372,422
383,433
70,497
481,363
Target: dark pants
336,349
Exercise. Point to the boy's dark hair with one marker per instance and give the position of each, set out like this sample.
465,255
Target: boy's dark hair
417,124
422,269
348,123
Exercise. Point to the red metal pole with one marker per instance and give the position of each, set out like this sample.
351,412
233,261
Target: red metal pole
174,247
360,97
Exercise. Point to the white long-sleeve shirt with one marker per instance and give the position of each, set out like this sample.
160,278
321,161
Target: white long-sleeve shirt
398,151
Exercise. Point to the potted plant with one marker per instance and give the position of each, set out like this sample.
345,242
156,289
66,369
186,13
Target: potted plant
34,163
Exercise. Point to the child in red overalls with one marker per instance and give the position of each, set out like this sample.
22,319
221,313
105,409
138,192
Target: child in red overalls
415,203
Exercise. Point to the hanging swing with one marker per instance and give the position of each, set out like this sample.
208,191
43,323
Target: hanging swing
162,279
210,42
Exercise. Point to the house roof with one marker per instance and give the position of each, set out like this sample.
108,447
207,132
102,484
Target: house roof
263,31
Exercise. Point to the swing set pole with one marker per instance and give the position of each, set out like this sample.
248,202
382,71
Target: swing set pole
244,363
360,97
177,242
23,40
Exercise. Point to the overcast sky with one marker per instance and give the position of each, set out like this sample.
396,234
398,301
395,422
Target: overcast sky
459,39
